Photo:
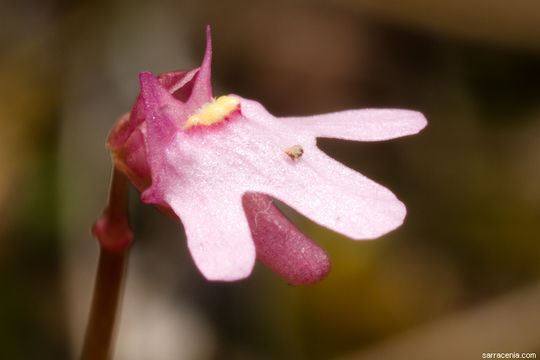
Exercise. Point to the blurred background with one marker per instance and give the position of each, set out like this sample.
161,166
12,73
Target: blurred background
459,278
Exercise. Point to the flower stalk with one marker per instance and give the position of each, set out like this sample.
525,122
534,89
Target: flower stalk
114,237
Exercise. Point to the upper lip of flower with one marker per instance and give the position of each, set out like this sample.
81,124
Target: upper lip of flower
202,175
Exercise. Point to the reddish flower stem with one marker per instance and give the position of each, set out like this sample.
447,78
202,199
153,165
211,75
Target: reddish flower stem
115,238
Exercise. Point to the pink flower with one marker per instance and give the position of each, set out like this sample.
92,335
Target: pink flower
215,164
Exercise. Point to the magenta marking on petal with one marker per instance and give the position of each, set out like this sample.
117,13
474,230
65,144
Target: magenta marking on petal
281,246
178,83
160,110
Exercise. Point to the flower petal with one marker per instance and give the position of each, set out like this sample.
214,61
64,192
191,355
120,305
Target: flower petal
160,109
337,197
281,246
217,233
361,125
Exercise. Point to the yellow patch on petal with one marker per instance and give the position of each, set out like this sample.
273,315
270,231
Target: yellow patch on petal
213,112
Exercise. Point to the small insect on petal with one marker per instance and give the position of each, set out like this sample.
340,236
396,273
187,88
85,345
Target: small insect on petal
294,152
213,112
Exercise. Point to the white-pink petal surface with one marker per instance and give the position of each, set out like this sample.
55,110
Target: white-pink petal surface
361,125
217,231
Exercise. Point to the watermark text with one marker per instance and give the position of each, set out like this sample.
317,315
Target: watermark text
508,355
